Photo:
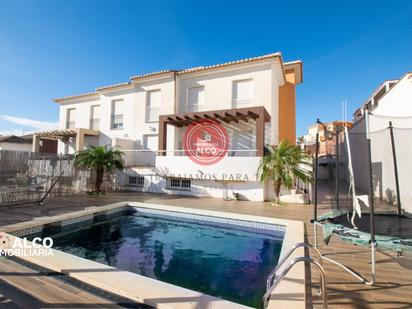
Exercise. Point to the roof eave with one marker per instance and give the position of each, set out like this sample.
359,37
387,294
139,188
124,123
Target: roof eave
297,66
77,96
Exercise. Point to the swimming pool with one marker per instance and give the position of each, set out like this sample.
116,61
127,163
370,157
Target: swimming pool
169,256
230,260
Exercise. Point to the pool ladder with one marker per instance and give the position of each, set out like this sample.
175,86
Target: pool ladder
274,278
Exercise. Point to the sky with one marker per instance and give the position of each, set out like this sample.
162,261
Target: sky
51,49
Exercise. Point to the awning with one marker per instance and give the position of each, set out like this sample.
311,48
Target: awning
226,115
258,114
66,133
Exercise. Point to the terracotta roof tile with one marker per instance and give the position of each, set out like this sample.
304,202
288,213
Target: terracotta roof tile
184,71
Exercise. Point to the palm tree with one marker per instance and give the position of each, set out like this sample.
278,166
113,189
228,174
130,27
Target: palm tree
282,164
101,159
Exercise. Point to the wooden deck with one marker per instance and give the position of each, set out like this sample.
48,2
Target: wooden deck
392,290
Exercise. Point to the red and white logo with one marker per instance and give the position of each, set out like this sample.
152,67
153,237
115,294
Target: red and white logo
205,142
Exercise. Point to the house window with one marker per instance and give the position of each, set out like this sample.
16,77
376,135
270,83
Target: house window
242,92
136,181
70,118
179,184
186,184
153,102
195,99
117,114
94,117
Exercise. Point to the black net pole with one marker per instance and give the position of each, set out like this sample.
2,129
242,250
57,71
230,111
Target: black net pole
315,208
395,168
337,168
371,202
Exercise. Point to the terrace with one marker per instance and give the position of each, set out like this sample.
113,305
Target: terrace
246,134
65,135
21,286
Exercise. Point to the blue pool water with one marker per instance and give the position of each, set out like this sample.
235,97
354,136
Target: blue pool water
225,262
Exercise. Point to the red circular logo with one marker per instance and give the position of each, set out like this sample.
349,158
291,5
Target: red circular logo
205,142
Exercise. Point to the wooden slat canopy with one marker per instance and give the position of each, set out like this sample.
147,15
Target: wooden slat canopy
258,114
58,133
225,115
64,135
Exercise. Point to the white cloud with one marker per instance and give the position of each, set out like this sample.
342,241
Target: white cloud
34,125
15,132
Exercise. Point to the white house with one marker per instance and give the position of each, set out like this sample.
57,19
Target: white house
146,117
391,102
15,143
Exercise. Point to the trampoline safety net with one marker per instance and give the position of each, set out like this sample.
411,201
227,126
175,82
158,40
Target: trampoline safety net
390,140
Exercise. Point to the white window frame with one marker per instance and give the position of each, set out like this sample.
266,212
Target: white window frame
187,98
149,109
93,118
70,123
181,184
239,103
116,125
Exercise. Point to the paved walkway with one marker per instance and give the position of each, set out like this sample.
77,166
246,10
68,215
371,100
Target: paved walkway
21,287
394,279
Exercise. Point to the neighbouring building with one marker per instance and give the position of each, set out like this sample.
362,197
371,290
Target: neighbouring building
397,100
25,142
254,99
372,102
327,135
391,102
15,143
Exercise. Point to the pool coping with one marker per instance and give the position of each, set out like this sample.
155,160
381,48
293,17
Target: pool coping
289,293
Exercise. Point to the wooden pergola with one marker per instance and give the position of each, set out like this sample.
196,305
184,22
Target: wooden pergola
258,114
64,135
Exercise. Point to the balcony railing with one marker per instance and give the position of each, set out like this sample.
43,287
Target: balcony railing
139,158
152,114
70,124
94,124
147,158
241,102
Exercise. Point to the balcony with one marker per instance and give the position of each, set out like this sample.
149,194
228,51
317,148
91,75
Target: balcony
230,168
139,158
70,124
94,124
257,114
239,103
237,165
152,114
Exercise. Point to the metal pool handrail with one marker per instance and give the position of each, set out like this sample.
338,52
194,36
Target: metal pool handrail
283,260
279,278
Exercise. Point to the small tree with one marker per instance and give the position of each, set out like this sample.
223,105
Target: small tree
100,159
281,164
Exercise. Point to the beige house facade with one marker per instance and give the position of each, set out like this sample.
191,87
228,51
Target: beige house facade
127,115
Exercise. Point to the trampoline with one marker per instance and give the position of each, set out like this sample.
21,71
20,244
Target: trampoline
392,231
359,223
